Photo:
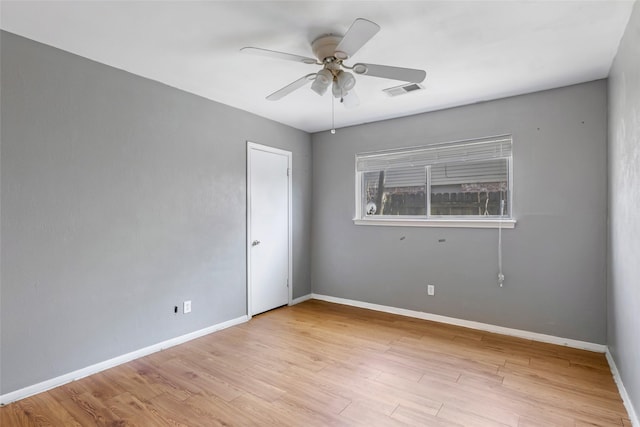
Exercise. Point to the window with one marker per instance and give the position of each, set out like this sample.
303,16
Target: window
464,183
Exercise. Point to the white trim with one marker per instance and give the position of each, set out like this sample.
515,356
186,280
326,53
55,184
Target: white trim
633,416
118,360
456,223
289,156
301,299
583,345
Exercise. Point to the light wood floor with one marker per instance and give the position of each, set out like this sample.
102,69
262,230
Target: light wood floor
319,364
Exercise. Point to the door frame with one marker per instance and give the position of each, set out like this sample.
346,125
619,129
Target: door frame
289,156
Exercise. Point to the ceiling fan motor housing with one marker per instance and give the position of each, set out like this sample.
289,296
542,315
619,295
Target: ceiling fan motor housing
324,48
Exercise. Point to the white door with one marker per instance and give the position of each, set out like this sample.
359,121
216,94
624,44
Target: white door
268,224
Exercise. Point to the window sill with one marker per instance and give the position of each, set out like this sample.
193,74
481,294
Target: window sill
443,223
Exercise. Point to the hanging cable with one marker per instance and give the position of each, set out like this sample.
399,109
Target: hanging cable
500,275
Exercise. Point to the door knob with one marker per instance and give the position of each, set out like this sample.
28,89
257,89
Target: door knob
255,243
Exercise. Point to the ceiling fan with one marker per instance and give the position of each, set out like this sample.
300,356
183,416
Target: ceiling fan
331,51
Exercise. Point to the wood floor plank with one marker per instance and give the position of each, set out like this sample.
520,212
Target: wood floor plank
14,415
210,411
542,421
273,413
196,376
300,392
582,407
595,383
368,414
89,410
195,411
467,418
321,364
417,417
43,409
134,412
383,363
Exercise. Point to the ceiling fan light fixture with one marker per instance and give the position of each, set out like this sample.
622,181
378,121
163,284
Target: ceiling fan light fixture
322,81
324,76
337,91
342,84
318,87
350,100
345,81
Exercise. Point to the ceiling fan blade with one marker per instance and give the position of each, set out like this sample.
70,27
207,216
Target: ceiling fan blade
351,100
360,32
388,72
278,55
279,94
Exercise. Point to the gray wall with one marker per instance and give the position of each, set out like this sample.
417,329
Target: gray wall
624,209
121,197
555,258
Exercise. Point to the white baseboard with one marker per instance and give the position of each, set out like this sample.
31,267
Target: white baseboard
633,416
583,345
118,360
301,299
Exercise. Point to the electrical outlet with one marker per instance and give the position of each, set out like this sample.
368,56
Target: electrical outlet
186,307
431,290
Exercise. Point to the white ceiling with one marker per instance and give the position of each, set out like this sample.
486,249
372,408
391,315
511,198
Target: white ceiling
472,50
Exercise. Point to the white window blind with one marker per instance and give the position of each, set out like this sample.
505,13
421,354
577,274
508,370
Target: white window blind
494,170
453,152
405,177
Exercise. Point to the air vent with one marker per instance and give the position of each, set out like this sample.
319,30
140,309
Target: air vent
402,89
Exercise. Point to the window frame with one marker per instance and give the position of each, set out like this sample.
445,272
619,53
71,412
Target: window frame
458,221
